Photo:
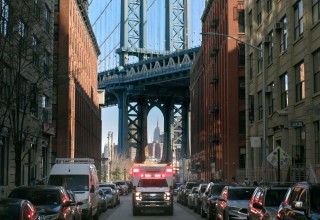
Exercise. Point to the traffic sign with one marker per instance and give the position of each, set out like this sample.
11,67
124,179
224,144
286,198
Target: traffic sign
273,157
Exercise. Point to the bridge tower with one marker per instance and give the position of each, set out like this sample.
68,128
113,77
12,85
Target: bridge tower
133,108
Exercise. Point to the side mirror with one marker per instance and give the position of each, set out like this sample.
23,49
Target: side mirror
257,205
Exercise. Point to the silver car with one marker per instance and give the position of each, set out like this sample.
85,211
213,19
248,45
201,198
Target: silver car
111,196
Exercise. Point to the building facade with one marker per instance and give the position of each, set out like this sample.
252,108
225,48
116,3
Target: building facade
76,105
26,57
218,94
282,81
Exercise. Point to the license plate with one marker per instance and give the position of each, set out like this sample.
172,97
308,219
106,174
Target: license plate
152,205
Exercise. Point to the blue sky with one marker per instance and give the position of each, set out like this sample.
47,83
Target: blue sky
105,19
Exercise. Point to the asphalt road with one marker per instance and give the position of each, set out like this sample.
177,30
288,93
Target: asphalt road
124,212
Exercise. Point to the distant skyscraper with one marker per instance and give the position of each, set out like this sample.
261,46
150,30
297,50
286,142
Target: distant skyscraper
156,134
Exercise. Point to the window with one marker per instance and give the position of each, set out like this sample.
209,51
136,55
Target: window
22,31
4,160
251,108
242,159
260,105
34,101
36,8
44,160
56,32
260,57
250,23
300,82
259,12
316,70
22,96
4,19
271,99
35,51
242,88
284,90
317,141
315,11
47,17
298,19
44,105
46,59
56,5
242,122
270,48
241,55
284,36
250,67
269,5
241,22
298,150
5,83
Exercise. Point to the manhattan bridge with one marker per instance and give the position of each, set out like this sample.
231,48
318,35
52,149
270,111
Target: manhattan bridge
148,48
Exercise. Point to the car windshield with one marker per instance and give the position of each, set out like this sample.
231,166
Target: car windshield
72,182
153,183
274,197
216,190
315,199
190,185
113,186
107,191
38,197
120,183
240,194
203,188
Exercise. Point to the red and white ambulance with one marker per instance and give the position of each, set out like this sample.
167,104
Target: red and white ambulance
152,188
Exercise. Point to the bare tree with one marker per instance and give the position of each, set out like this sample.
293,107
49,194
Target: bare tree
26,45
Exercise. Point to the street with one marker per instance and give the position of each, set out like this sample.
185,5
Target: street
124,211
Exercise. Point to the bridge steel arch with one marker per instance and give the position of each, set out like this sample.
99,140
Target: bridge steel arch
158,78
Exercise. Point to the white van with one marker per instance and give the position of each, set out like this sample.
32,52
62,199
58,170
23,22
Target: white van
80,176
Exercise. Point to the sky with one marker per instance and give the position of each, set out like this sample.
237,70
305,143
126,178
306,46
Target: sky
105,20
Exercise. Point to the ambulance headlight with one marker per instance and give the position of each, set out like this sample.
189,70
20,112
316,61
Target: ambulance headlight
138,196
167,196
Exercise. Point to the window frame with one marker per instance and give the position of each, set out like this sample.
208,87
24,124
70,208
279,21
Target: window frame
298,19
284,90
300,81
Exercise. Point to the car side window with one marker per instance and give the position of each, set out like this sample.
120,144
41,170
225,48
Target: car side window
304,196
295,194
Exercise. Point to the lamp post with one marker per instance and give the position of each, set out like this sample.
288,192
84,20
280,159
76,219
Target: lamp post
261,51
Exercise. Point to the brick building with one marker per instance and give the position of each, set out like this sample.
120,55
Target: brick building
76,108
218,142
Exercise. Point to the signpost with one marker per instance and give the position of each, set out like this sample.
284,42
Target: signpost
278,158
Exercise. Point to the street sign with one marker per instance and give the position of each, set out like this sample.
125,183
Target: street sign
296,123
273,157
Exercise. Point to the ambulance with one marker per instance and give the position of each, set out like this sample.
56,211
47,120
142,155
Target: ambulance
152,188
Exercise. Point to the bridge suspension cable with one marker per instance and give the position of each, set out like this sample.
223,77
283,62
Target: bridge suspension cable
101,13
105,57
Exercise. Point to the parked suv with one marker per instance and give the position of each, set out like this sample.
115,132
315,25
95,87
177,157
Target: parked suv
265,201
51,201
302,201
209,198
186,191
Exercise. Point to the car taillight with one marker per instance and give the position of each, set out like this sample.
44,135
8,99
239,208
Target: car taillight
135,171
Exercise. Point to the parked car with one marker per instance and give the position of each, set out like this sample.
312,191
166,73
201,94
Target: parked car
265,202
111,196
103,202
209,199
233,202
180,193
186,191
51,201
123,187
191,197
76,207
302,201
198,197
18,209
112,186
176,187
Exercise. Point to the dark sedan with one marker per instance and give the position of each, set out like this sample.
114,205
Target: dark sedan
209,199
51,201
18,209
